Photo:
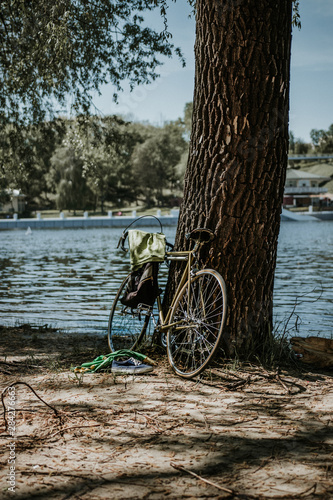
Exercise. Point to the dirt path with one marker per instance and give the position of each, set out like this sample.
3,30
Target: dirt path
249,433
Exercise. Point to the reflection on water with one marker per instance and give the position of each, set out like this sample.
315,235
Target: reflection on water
67,278
304,273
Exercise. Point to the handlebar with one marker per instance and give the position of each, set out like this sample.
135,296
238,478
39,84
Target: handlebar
121,242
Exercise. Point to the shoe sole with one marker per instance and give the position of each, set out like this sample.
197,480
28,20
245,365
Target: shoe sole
137,371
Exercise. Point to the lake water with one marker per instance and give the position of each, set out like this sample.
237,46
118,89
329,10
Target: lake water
67,278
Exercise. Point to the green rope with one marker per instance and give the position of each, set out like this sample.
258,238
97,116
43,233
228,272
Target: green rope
103,361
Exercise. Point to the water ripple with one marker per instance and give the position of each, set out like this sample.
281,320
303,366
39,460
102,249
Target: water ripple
68,278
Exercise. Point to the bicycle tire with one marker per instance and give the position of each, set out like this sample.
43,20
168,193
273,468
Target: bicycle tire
127,328
194,339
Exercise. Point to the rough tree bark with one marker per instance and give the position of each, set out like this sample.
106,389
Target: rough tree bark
238,153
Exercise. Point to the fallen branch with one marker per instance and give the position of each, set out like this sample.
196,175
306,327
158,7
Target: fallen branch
181,468
35,393
278,378
241,383
303,494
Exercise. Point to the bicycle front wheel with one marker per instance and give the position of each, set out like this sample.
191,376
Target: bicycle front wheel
196,323
128,328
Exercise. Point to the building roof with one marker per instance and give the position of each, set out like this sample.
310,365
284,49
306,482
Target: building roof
292,174
323,169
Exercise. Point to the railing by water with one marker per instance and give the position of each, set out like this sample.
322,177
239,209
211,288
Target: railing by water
85,222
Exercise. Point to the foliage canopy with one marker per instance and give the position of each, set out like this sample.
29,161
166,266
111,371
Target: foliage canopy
52,50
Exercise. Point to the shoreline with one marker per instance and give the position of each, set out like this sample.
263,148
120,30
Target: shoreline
256,433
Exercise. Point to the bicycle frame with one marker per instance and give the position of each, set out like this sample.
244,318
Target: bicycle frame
186,256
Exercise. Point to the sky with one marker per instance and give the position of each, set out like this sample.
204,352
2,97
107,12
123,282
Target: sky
311,90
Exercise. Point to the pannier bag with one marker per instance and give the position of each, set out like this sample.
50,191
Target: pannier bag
146,251
142,287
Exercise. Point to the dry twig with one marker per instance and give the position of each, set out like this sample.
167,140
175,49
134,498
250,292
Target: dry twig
181,468
233,493
35,393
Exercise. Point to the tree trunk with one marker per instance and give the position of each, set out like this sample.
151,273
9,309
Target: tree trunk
314,350
238,153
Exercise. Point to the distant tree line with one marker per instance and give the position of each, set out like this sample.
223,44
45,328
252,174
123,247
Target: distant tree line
83,163
321,142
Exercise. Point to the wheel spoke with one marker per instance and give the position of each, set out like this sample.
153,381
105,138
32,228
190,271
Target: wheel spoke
199,315
128,329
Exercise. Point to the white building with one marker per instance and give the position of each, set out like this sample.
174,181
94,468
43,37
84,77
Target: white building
16,203
301,187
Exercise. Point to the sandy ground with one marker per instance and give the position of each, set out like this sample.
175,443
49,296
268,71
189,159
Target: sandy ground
244,433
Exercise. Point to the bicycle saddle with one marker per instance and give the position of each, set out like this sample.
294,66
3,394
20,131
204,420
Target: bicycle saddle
201,234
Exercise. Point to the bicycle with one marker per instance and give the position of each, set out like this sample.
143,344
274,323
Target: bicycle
193,324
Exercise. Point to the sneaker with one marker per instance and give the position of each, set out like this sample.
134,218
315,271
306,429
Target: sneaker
131,366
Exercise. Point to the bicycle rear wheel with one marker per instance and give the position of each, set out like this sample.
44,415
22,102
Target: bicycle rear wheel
128,328
198,317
